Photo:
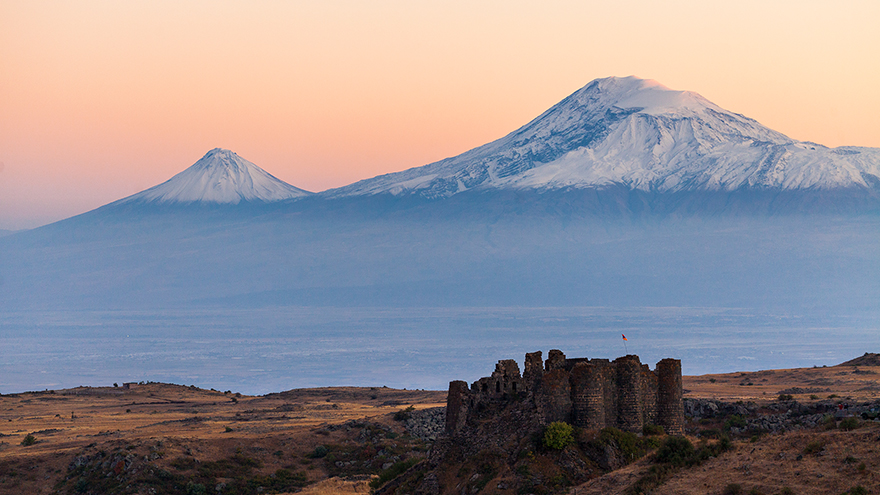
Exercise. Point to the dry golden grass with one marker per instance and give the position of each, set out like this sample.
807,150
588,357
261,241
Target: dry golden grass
186,421
856,383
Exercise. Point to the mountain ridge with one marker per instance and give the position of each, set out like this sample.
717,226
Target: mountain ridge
642,135
629,142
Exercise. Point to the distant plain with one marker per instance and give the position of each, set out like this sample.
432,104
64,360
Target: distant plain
263,350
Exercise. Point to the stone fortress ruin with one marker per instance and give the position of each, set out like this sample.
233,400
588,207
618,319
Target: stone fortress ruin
588,393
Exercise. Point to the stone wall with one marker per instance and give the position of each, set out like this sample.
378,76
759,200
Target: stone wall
587,393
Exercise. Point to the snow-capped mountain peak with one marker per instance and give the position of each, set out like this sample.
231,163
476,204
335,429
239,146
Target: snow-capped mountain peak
220,176
642,135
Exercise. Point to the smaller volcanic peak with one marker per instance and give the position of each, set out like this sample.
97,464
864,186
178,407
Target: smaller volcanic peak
221,177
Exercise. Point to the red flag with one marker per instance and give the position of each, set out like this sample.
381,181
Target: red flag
624,337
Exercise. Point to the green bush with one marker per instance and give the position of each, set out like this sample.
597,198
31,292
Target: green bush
829,422
733,489
195,489
650,429
677,451
735,420
404,414
724,444
710,433
785,397
814,447
558,435
319,452
631,446
849,424
858,490
29,440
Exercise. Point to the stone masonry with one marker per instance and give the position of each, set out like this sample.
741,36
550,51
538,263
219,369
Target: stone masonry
588,393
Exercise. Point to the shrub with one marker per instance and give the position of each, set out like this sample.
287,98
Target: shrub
558,435
81,486
858,490
849,424
814,447
785,397
735,421
319,452
814,397
733,489
559,480
227,429
404,414
710,433
712,380
724,444
29,440
786,491
650,429
195,489
676,451
631,447
828,422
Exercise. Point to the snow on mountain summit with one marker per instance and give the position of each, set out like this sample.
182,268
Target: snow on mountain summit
221,176
640,134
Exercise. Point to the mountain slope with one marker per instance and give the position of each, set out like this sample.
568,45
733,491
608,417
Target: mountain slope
222,177
644,136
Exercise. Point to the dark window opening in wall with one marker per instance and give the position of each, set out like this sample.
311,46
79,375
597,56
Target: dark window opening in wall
485,387
497,387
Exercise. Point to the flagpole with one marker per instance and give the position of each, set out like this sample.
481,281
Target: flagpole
624,344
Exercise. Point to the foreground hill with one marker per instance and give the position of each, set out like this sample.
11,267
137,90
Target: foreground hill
171,438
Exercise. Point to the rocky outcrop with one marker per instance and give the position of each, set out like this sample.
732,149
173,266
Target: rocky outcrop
426,424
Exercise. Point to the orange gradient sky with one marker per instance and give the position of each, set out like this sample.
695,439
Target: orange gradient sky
102,99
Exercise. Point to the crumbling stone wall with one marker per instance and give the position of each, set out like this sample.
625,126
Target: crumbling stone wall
596,393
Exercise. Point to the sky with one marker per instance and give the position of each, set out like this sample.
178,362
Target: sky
102,99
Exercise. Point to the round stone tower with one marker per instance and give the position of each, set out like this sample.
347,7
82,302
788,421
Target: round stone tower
670,410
